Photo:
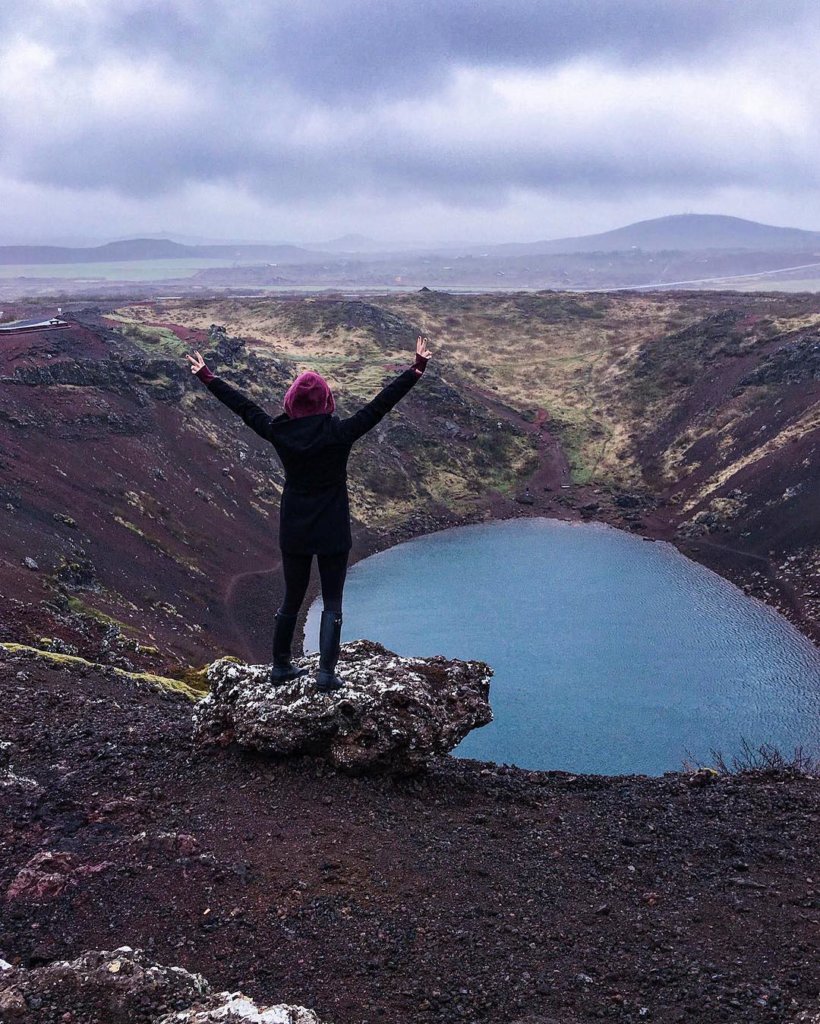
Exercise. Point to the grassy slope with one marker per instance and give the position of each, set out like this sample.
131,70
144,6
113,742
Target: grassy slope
408,467
606,367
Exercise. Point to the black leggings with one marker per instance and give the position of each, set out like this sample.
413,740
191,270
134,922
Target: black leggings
332,571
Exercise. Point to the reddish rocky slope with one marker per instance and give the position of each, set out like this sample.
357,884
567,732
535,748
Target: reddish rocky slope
475,892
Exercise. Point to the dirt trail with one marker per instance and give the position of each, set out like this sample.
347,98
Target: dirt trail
553,468
250,600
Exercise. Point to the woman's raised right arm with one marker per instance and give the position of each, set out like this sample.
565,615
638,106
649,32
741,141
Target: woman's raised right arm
255,417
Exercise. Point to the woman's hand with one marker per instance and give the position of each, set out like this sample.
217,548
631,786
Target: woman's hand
196,364
199,369
422,355
421,347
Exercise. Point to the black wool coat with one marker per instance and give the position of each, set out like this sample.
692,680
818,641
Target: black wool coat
314,514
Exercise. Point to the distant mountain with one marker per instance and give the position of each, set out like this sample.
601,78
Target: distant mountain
154,249
171,236
679,232
734,238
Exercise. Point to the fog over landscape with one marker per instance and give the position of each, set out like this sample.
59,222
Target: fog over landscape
423,123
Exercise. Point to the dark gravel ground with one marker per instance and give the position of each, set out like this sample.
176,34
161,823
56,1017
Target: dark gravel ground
475,893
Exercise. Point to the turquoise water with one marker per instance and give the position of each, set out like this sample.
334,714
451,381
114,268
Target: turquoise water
611,654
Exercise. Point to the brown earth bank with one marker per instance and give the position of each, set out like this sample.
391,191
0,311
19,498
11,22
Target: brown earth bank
139,515
474,892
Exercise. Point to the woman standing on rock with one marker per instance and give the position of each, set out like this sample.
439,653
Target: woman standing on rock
314,516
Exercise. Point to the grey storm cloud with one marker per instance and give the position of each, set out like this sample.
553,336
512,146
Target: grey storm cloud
344,49
453,98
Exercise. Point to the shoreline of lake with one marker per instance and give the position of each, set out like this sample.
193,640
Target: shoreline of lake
587,630
724,561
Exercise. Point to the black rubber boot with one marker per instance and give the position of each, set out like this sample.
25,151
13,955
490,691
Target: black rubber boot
283,670
330,632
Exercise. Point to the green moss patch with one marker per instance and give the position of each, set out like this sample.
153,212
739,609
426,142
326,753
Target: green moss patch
164,682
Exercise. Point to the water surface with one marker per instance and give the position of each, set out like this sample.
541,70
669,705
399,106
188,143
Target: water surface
612,654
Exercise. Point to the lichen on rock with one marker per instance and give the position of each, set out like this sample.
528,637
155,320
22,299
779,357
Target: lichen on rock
233,1006
126,986
123,986
394,714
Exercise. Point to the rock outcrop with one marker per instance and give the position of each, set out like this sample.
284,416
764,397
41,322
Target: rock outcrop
233,1006
48,873
125,986
162,379
394,714
10,781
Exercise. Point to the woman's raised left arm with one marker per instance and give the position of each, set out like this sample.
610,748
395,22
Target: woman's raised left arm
352,428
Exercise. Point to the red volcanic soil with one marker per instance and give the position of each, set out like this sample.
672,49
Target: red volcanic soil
763,549
87,452
474,892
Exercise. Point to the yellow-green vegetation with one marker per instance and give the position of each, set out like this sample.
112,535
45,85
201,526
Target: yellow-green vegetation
155,340
306,333
354,345
81,608
565,354
134,499
196,679
605,369
199,425
128,526
809,421
152,541
186,685
547,351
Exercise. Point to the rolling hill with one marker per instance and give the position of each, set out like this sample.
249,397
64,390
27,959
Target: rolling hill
684,232
151,249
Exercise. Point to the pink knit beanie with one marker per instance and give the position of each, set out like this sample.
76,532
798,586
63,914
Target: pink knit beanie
308,395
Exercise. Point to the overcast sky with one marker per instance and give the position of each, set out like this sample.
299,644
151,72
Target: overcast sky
420,120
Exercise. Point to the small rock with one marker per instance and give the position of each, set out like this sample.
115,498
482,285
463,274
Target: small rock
48,873
12,1005
702,777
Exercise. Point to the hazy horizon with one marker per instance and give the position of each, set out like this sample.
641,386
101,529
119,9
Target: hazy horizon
373,243
463,121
